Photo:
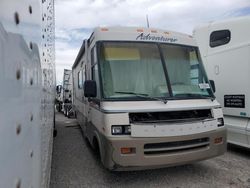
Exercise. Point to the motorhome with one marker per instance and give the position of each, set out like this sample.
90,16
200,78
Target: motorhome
143,100
27,85
225,50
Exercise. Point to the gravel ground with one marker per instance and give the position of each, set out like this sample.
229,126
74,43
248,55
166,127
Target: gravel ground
75,165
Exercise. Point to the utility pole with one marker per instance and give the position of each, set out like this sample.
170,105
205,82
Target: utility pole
147,21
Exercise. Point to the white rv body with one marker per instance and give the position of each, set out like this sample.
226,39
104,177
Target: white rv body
153,143
228,64
27,92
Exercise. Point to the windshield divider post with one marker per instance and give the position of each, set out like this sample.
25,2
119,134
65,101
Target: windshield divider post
99,45
165,71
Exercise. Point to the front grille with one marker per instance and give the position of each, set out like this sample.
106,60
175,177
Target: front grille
178,146
172,116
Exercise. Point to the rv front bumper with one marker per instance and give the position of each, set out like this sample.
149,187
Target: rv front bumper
149,153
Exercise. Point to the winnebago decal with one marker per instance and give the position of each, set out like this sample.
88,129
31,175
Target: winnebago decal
149,37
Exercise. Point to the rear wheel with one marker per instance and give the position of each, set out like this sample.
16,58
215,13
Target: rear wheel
59,107
67,113
96,147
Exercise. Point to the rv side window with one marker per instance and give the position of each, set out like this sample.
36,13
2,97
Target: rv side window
84,74
80,81
93,56
94,71
83,77
219,38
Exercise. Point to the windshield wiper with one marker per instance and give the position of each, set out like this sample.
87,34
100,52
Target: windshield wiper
193,95
142,95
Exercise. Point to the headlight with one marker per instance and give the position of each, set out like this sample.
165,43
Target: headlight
121,130
116,129
220,122
127,129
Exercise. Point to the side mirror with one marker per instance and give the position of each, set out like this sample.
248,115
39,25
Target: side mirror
90,88
58,89
212,85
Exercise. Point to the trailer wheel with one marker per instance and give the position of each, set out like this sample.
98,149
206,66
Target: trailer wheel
70,112
67,113
59,107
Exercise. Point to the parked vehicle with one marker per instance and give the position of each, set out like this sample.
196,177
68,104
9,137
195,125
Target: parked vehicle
143,100
59,98
27,82
225,50
67,93
64,94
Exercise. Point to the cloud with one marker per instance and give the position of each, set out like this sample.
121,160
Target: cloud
65,56
68,43
239,12
162,13
75,19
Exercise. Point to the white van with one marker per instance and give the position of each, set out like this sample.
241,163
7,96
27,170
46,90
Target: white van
225,50
142,98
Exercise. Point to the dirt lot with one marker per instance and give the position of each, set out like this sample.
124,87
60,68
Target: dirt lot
75,165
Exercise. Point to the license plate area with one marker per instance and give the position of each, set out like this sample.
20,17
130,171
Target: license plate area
172,129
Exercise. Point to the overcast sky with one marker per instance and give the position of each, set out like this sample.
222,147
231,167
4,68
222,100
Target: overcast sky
75,19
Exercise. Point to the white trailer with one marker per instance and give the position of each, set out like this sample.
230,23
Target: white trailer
64,94
67,93
225,50
27,92
142,98
59,97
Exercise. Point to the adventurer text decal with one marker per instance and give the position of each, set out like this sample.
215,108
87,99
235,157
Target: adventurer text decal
155,38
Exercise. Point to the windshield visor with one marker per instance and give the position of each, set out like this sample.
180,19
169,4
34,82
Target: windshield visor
129,68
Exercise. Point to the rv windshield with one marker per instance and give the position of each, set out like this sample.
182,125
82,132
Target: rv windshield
185,71
131,70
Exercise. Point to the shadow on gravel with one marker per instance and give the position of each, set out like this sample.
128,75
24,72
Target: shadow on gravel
169,174
94,154
244,152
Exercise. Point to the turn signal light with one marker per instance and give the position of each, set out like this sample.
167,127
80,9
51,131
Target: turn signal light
104,29
127,150
218,140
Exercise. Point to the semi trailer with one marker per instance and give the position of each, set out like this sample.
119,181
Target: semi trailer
64,94
27,92
225,50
